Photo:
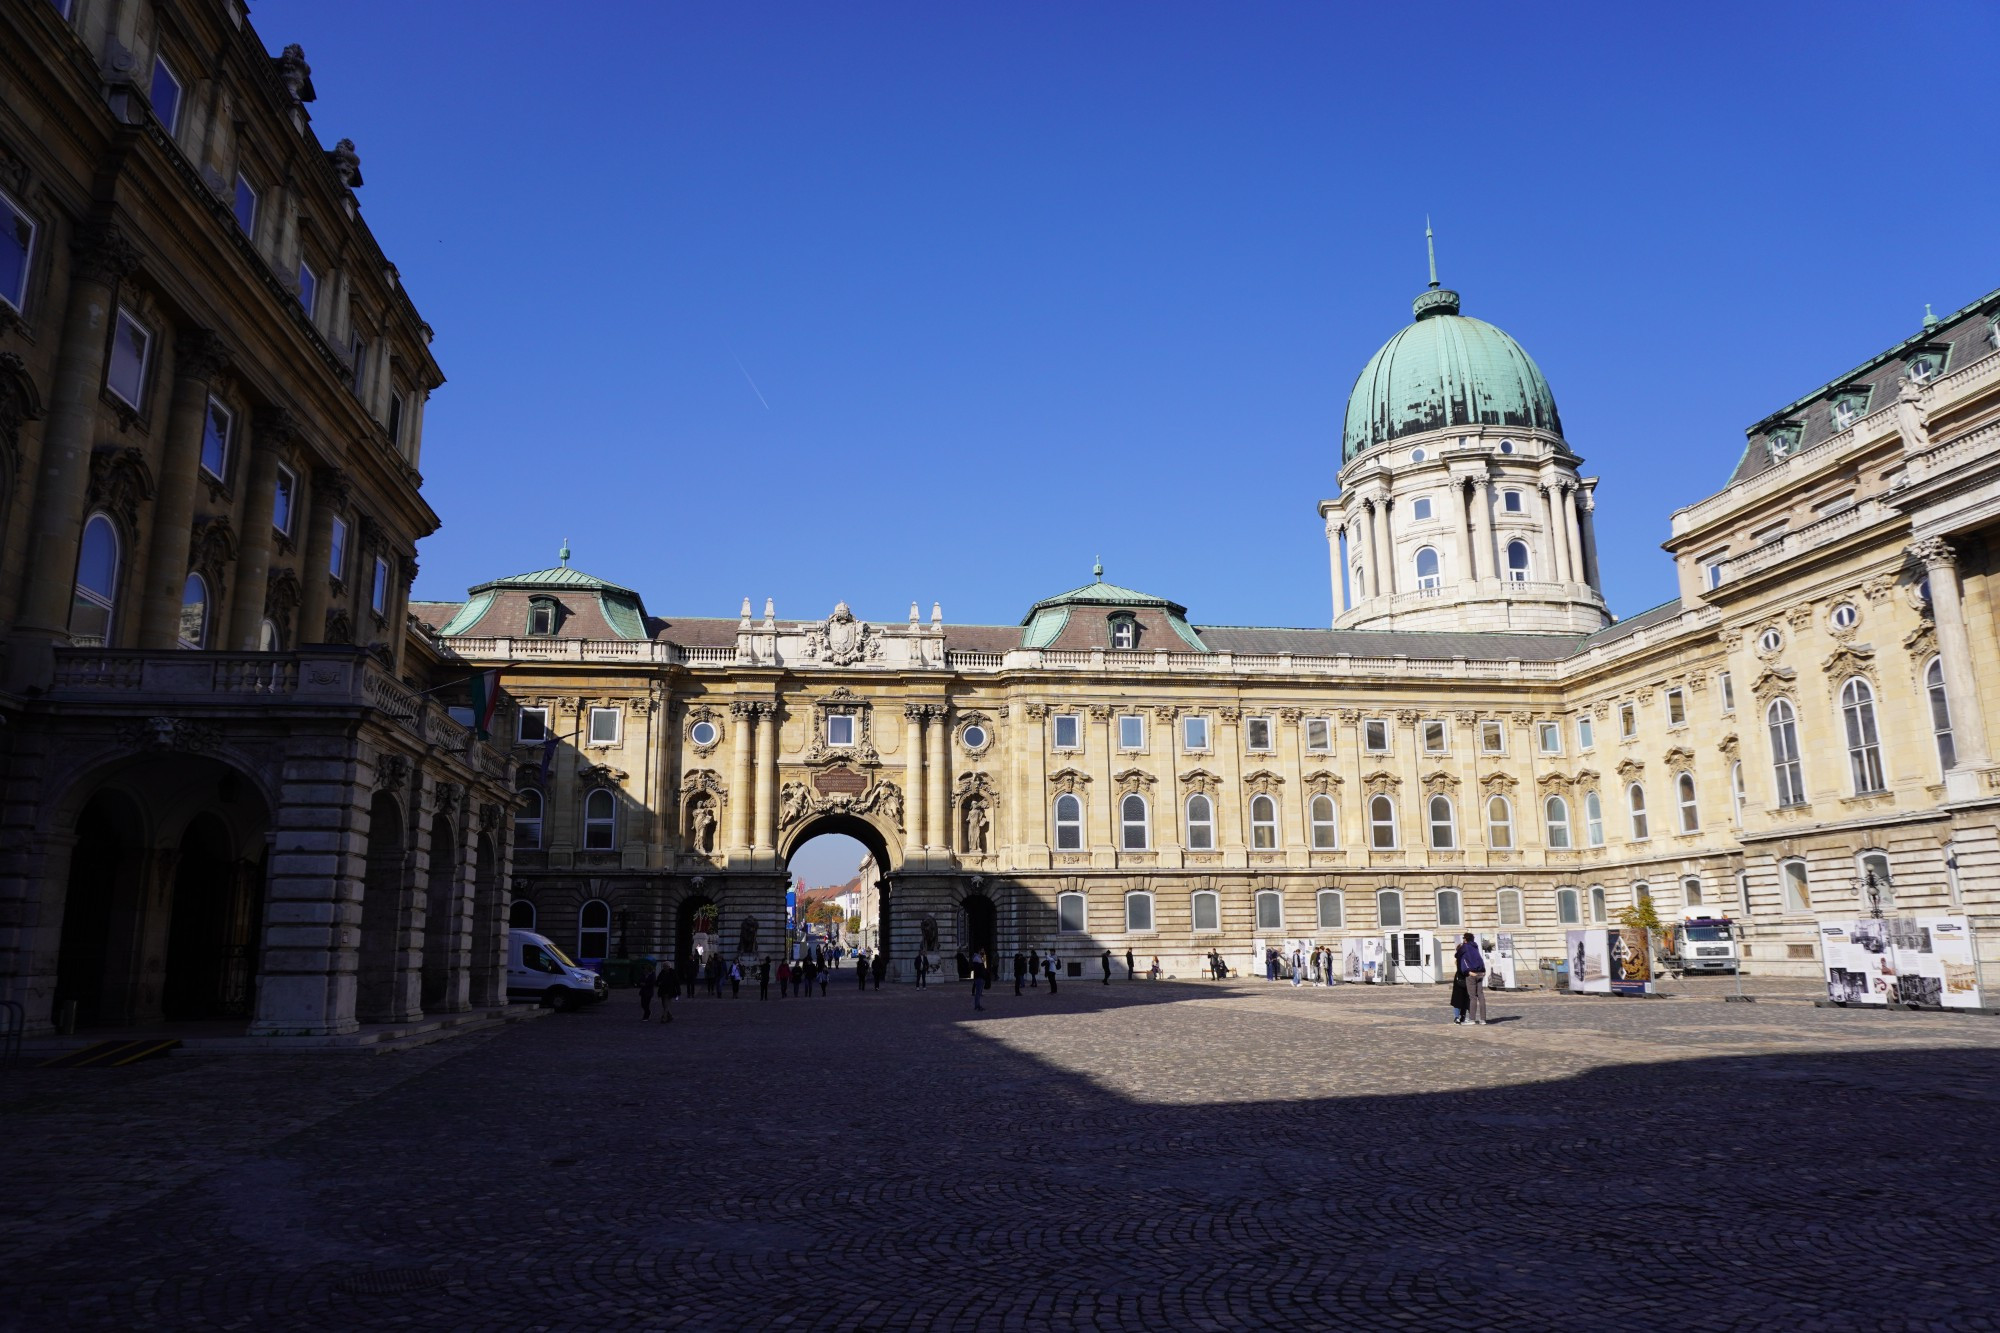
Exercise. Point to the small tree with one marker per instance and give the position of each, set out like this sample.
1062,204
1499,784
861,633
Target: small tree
1642,915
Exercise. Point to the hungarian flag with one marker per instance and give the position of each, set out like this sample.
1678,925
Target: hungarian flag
485,698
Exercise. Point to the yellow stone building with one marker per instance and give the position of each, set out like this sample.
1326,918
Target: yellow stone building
1474,744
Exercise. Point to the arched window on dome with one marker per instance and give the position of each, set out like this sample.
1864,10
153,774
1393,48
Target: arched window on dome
1428,569
1517,559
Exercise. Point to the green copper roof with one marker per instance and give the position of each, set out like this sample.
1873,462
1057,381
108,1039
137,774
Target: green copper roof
622,608
1444,370
468,614
1045,619
561,576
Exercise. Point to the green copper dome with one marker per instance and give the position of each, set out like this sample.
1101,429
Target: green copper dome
1446,369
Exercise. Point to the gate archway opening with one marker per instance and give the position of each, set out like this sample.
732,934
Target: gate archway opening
843,861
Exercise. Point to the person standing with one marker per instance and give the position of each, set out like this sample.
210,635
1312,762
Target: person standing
861,971
1131,972
1106,961
1153,972
879,967
649,981
764,979
979,976
1458,995
1472,963
1020,970
1049,966
736,980
1034,969
1298,968
784,976
923,971
825,977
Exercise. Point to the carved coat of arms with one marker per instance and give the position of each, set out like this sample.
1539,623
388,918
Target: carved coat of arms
842,640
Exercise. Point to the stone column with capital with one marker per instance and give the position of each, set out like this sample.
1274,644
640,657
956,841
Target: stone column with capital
1572,535
328,501
1482,526
1558,547
1333,534
1587,530
766,715
1385,551
741,801
1968,722
914,789
936,770
99,256
198,356
271,429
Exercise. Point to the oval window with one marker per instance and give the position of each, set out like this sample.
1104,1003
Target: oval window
975,736
1418,455
1845,615
703,733
1771,641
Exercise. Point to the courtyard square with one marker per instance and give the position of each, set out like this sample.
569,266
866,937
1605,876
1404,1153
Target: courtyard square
1175,1155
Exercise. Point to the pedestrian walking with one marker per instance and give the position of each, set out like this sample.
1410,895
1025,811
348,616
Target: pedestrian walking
1034,969
1130,972
764,979
1472,964
1020,970
879,966
784,977
825,976
1049,966
923,970
1106,961
1298,969
861,970
1153,972
979,976
735,980
649,981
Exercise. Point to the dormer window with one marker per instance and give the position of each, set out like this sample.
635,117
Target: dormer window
1849,408
542,617
1124,632
1782,443
1925,366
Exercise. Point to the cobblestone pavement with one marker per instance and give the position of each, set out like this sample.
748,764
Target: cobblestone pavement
1172,1156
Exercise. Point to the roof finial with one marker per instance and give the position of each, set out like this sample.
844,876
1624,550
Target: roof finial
1430,244
563,555
1930,321
1097,570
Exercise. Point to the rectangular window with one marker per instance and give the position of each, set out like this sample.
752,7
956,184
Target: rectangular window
131,356
1131,732
1586,732
357,353
1375,735
1551,734
1069,731
166,96
246,205
378,592
1677,712
1798,892
603,726
1257,733
1319,735
1207,911
215,429
534,724
336,551
840,729
1628,721
1728,689
17,250
1069,913
1434,737
281,501
1138,912
1194,733
395,422
309,290
1492,737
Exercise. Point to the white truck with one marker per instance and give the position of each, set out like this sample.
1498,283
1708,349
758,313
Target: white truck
1706,944
538,970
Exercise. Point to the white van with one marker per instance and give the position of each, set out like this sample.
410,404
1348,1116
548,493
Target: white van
538,970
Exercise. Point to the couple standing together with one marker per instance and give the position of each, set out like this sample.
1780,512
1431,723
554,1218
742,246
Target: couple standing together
1468,986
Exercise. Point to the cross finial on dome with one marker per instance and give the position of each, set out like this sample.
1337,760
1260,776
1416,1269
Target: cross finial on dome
563,555
1430,244
1097,570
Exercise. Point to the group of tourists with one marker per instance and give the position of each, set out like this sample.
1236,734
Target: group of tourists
1318,966
794,977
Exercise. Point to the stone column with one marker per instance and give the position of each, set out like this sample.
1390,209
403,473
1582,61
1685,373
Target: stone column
1385,552
741,801
1372,575
1558,548
1467,534
1968,723
1482,527
329,499
1034,816
914,806
198,355
271,429
1333,534
1573,535
1587,529
766,716
99,256
312,899
936,801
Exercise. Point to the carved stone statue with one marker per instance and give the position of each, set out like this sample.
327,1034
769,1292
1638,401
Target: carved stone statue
746,938
702,820
888,799
794,803
976,825
930,929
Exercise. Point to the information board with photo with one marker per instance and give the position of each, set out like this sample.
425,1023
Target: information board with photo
1925,961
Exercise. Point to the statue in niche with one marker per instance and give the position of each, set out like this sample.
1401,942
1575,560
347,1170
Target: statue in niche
930,929
746,938
702,820
976,825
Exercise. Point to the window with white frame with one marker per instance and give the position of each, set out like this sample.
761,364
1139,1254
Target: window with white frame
193,628
131,358
1131,732
1508,901
1569,908
378,590
1206,908
528,823
1493,737
1635,804
1069,823
1798,888
604,726
1628,721
1786,774
1736,792
1270,910
1555,817
1726,685
1138,913
534,724
1684,798
1549,735
1510,502
1200,823
593,929
1069,731
1593,819
165,95
1677,712
1743,892
1319,735
1598,909
1420,508
1257,733
1642,893
1332,909
840,729
1449,909
1864,745
17,252
1428,576
600,821
1263,823
270,641
336,550
1443,824
1381,823
1947,753
94,598
282,500
1713,570
245,205
1124,632
543,616
1069,913
1499,823
1436,739
1375,735
1132,823
1325,823
1194,734
1389,908
1586,732
1691,890
1517,562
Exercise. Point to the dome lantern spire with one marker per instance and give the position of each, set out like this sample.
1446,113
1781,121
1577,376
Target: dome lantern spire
1435,300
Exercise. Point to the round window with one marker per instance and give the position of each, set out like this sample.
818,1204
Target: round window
1771,641
703,733
1845,615
975,736
1506,446
1418,455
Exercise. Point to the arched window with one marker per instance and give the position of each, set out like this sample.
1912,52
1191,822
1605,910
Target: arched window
1427,568
1449,910
1270,910
96,597
1332,909
1381,823
268,638
1207,906
1325,823
1736,793
1635,799
1593,820
1786,774
1132,834
1940,713
593,930
1684,795
520,915
193,632
1499,822
600,821
1509,904
1798,888
1555,813
1389,908
1263,823
1138,913
1069,913
1597,908
1569,909
1864,746
1200,823
528,824
1691,890
1444,831
1874,867
1517,562
1642,892
1069,823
